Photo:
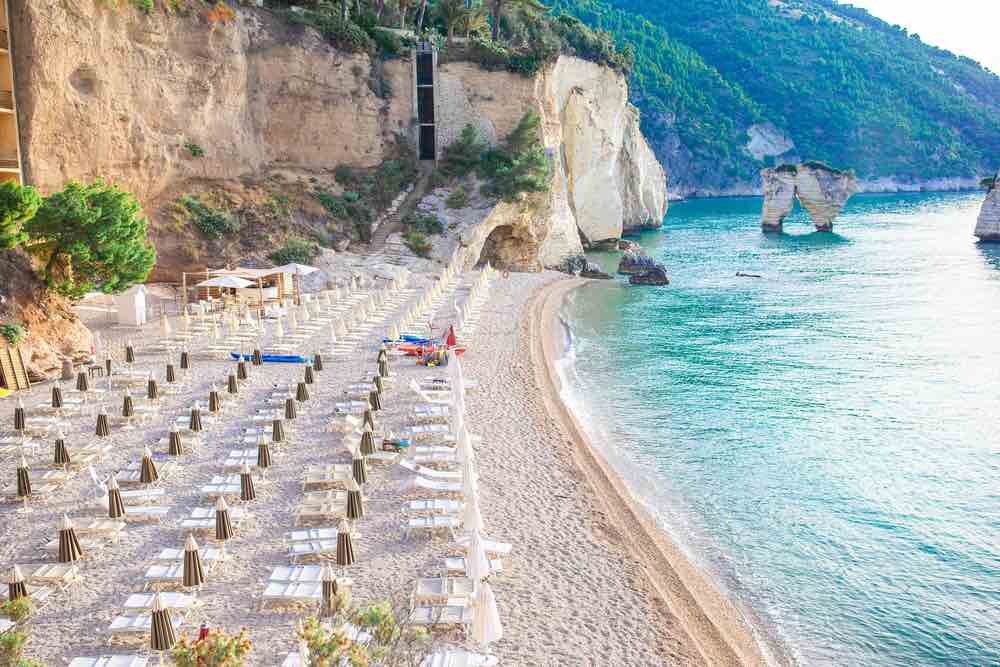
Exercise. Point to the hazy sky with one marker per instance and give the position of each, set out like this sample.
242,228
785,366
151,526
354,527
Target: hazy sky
968,27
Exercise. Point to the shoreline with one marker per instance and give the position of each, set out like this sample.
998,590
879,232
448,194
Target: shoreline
713,623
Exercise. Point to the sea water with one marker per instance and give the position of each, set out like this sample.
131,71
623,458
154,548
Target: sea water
824,439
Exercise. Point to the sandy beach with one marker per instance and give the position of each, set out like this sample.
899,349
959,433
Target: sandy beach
590,581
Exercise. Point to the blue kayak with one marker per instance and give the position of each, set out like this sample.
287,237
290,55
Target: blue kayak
276,358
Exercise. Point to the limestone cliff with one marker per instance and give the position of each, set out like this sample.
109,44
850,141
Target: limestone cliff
988,224
606,180
821,191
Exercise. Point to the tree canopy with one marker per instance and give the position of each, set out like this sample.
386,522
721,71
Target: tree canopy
17,204
90,237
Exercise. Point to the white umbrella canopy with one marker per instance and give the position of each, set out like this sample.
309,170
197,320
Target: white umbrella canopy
234,282
473,521
296,269
470,484
486,626
165,328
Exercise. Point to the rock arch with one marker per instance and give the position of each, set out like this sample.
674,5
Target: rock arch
822,190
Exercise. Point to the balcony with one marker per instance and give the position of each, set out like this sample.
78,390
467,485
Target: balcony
6,100
4,41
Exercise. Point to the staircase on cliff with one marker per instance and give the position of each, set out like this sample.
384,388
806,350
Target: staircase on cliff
393,222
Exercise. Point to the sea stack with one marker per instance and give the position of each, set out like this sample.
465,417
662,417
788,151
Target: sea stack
988,225
821,189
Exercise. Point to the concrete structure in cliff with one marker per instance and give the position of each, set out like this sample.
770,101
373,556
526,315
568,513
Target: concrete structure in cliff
988,224
10,145
823,191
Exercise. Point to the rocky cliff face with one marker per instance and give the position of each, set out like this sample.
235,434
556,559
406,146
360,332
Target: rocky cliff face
606,180
988,224
822,192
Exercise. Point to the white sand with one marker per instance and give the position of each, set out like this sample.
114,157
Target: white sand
570,595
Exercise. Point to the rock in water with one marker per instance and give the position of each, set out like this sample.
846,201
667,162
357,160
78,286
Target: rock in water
592,270
655,276
573,264
988,225
822,190
629,246
636,262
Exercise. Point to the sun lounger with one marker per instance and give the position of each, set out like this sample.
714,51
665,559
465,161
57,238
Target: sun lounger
238,458
203,518
322,512
383,457
431,524
441,589
138,625
111,661
5,625
90,546
109,528
436,458
315,548
432,413
56,575
143,602
292,592
171,573
459,658
455,611
308,534
431,473
216,490
137,496
491,546
39,594
429,431
146,513
435,486
436,506
350,407
322,497
209,556
318,477
458,565
132,473
297,573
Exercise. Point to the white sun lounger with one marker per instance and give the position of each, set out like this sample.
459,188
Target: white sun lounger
39,594
5,625
320,512
435,486
209,555
455,612
143,602
459,658
490,546
431,473
308,534
57,575
138,624
170,573
292,592
435,589
146,513
318,548
431,524
435,506
111,661
297,573
324,476
458,565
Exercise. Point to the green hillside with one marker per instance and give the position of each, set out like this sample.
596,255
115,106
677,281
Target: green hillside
844,86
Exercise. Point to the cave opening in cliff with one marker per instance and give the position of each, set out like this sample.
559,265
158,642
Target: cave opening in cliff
500,249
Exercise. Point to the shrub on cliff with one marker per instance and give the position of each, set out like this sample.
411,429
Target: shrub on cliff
464,155
521,165
17,205
417,243
326,19
212,222
91,237
295,251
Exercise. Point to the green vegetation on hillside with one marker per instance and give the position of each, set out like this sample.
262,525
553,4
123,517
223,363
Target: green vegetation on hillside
847,88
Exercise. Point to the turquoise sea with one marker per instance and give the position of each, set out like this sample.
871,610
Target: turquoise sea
824,439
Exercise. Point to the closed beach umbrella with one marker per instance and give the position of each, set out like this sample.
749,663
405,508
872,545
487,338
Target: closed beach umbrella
70,550
185,360
301,393
82,381
369,418
152,389
359,468
470,481
247,492
355,507
290,410
223,525
214,402
23,479
57,397
241,370
379,384
193,574
257,358
486,627
147,470
309,378
165,328
116,506
345,549
107,365
194,423
329,591
61,456
15,585
478,564
161,633
383,355
175,446
367,441
232,386
374,401
128,407
103,429
19,416
317,362
277,431
171,374
129,353
472,519
263,453
383,367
